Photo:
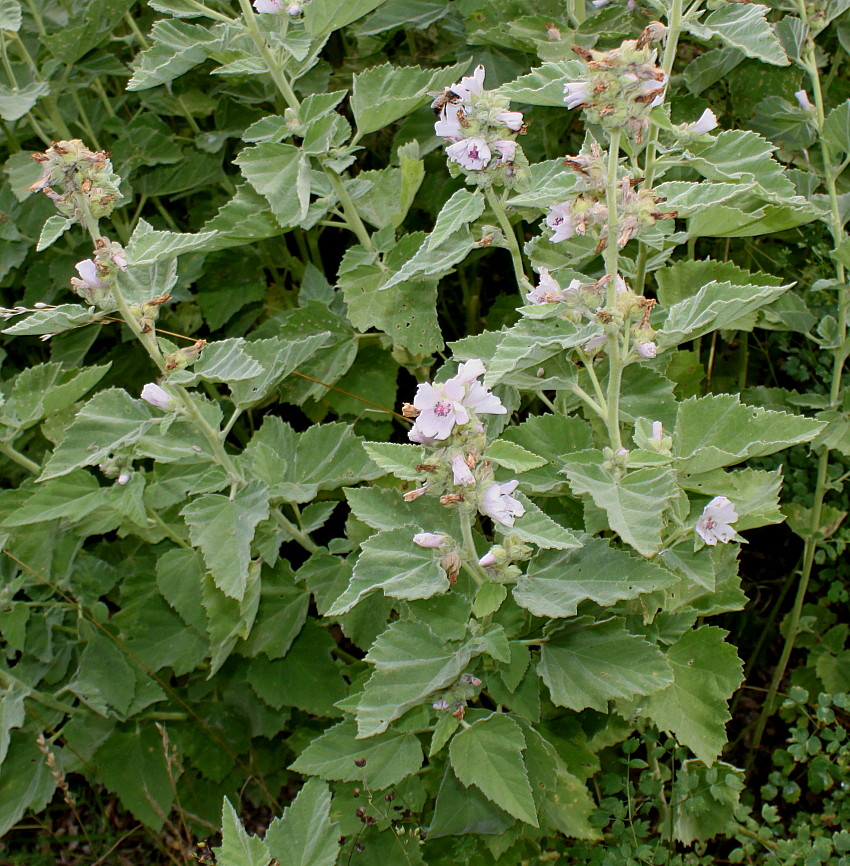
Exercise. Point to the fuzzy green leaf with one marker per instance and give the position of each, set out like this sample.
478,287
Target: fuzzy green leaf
223,528
391,562
382,94
588,664
176,47
281,174
488,754
305,835
556,582
237,847
717,430
745,27
379,762
464,207
706,671
545,84
634,503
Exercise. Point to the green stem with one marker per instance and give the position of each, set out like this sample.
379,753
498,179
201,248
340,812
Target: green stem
169,532
674,30
586,398
612,251
352,217
301,537
13,454
839,358
588,365
9,679
469,555
497,205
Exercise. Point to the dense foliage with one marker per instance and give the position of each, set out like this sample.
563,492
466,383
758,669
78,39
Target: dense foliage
385,480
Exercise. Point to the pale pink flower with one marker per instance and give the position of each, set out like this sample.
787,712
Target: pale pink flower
87,269
804,101
500,505
595,343
471,153
577,93
445,404
470,84
157,396
268,7
487,560
657,431
548,290
512,119
714,524
462,474
559,220
430,540
448,126
707,121
505,148
647,349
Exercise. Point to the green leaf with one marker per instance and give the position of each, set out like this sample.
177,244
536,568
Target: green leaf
707,69
277,358
379,762
397,459
745,27
465,206
296,466
459,810
391,562
587,664
176,47
12,712
132,765
836,129
538,528
384,508
110,421
223,361
26,781
325,16
65,317
229,620
717,430
545,84
223,528
237,847
382,94
411,663
15,102
105,680
148,246
688,198
557,582
634,503
46,389
706,671
73,496
488,599
10,16
433,262
305,835
512,456
488,754
708,798
307,677
54,227
281,174
714,306
243,219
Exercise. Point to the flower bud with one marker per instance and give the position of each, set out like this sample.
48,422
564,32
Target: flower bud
431,540
647,349
157,396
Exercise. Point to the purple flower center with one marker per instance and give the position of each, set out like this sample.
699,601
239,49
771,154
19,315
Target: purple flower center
443,410
710,524
473,152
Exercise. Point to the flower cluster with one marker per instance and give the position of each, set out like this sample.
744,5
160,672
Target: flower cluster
97,275
85,177
588,211
621,86
482,131
446,416
586,301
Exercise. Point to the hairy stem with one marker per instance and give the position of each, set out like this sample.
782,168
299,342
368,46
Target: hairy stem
497,205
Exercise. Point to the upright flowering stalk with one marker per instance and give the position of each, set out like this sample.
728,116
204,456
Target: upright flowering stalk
447,422
481,132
